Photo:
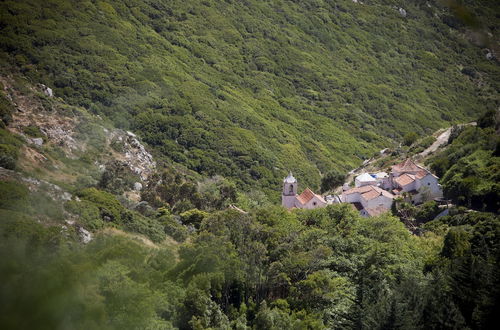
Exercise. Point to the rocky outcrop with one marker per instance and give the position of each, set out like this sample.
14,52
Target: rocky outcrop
47,90
35,185
73,132
132,152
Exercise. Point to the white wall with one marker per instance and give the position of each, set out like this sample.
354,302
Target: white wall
351,198
358,183
311,204
288,201
410,187
380,200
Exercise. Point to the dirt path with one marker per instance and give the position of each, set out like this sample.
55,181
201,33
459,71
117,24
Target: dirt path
440,140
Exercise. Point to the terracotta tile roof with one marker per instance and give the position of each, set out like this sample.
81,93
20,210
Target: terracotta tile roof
370,195
404,179
369,192
407,166
360,190
307,195
374,211
421,174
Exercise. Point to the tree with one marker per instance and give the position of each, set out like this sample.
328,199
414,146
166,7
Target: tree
409,138
331,180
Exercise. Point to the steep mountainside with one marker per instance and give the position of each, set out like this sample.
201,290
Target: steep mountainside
249,89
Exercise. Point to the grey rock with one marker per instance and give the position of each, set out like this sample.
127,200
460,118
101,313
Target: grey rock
37,141
402,12
138,186
85,235
47,91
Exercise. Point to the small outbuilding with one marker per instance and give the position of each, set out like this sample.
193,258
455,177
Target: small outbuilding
364,179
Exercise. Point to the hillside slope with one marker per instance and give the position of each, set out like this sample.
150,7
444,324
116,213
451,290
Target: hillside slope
250,89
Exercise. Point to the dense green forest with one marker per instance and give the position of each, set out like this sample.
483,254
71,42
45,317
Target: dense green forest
228,96
270,269
252,89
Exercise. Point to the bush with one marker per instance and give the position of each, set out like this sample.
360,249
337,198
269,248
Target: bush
331,180
6,110
409,138
193,217
88,213
173,228
13,196
109,206
34,132
8,156
142,225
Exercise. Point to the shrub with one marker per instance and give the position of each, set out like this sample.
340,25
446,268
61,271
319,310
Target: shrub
13,196
34,131
88,213
193,217
8,156
409,138
108,205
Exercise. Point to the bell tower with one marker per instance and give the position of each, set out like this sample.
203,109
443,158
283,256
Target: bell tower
289,191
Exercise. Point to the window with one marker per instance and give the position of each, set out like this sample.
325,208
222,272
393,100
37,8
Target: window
291,188
428,183
314,203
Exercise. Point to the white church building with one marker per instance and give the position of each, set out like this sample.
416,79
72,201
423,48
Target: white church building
306,200
373,193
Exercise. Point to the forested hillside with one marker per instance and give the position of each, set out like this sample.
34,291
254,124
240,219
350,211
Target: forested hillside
143,144
251,89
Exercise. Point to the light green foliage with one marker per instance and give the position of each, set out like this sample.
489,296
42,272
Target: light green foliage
108,205
193,217
248,90
470,168
9,149
6,109
331,180
33,131
410,138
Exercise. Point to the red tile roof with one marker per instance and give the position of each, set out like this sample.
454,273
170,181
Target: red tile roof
421,174
307,195
407,166
405,179
374,211
369,192
360,190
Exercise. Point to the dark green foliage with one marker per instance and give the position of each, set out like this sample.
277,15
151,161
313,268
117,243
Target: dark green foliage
472,264
9,149
109,207
490,118
98,208
6,109
324,268
427,211
117,177
173,228
193,217
469,168
422,144
250,89
409,138
33,131
331,180
88,213
13,196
